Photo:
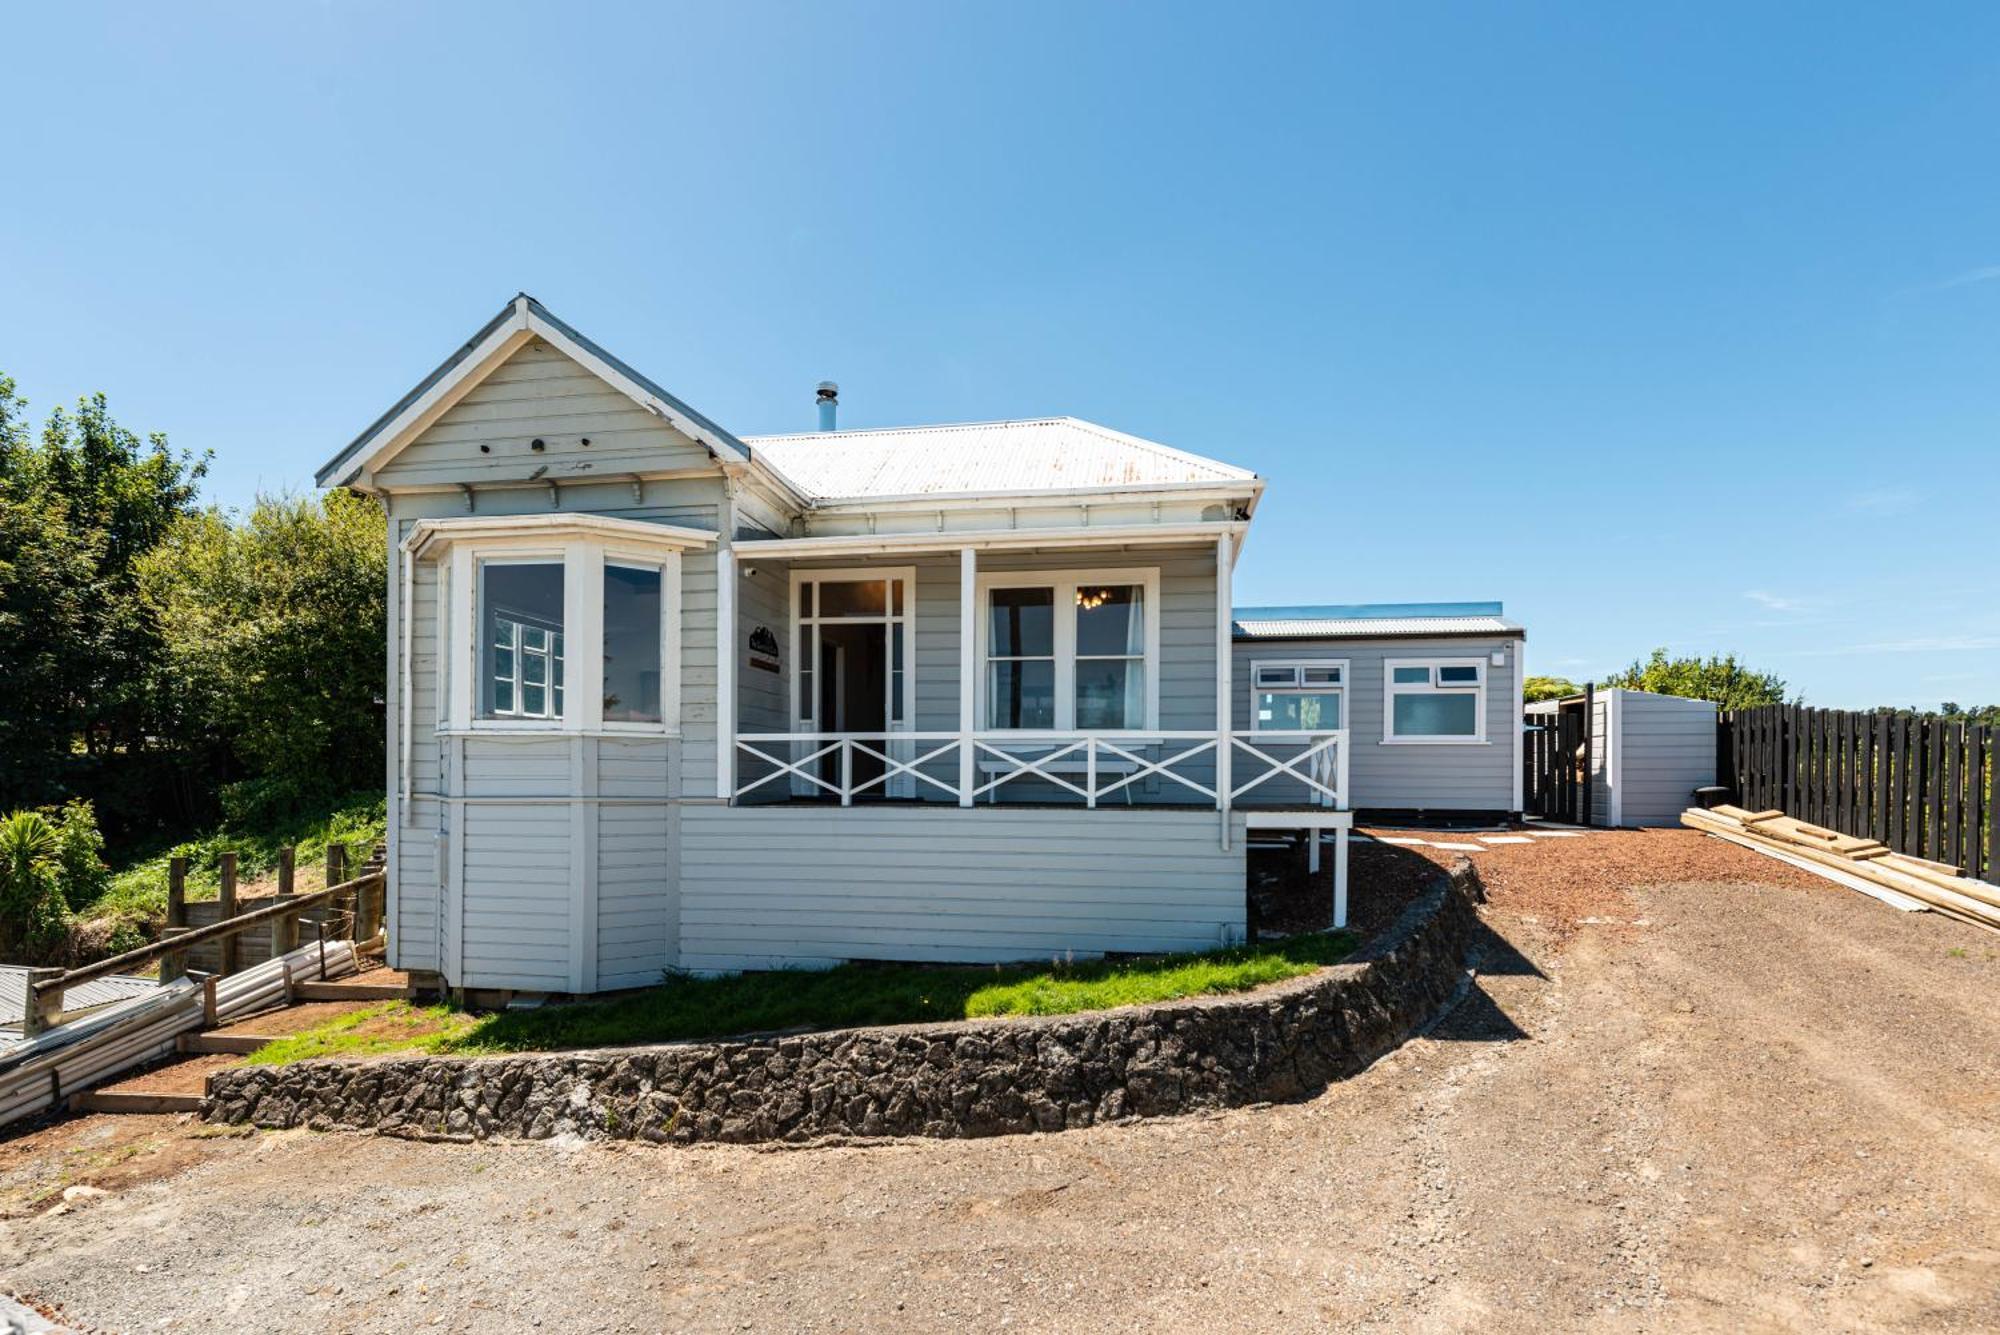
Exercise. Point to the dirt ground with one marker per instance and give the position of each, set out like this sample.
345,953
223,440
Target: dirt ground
1689,1090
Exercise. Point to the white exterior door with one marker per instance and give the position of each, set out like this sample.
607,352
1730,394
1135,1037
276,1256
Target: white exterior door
864,620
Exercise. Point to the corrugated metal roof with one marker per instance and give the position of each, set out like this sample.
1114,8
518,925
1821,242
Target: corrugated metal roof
96,992
1039,454
1362,620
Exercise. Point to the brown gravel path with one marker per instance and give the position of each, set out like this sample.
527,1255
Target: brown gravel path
1733,1101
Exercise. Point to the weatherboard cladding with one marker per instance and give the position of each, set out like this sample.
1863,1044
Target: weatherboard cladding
336,470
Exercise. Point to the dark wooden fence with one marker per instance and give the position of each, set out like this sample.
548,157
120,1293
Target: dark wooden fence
1923,786
1555,759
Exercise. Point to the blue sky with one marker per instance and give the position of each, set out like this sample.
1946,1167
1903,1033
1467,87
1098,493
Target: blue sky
1673,327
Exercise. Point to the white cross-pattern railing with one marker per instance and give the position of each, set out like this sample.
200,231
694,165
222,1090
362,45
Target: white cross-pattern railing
970,767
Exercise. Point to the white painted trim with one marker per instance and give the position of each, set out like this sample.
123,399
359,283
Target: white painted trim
866,544
1225,667
672,597
463,669
405,613
1520,669
725,669
1614,745
968,682
497,529
1390,690
1064,584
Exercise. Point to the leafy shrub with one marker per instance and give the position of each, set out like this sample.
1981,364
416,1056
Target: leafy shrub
79,853
34,919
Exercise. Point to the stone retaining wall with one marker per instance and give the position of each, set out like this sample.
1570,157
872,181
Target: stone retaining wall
976,1078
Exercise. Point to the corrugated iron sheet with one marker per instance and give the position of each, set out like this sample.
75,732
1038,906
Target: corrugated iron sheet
96,992
1044,454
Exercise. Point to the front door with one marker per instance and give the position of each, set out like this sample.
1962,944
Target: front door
852,631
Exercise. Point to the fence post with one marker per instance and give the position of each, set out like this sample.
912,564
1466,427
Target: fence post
225,904
177,888
40,1008
1992,807
336,872
287,857
173,964
1585,814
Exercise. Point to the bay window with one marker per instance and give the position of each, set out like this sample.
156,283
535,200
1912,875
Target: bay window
557,625
1070,651
1435,701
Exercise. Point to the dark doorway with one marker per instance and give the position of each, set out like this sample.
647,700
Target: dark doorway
853,685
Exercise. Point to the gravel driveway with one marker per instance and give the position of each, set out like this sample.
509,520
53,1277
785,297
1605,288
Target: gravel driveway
1740,1102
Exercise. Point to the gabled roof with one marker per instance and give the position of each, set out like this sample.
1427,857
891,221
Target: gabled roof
519,320
989,458
1366,620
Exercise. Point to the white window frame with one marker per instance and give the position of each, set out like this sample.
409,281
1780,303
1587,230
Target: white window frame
668,564
1065,583
480,565
1257,666
1391,689
583,560
889,620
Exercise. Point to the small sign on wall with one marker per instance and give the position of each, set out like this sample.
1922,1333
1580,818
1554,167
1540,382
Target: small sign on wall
764,649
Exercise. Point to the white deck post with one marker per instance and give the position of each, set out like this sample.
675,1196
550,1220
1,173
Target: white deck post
1225,563
1339,874
725,670
968,586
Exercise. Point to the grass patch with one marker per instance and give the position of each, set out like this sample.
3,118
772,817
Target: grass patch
846,997
371,1031
133,907
865,994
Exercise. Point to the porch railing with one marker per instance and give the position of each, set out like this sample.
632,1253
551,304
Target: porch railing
1225,769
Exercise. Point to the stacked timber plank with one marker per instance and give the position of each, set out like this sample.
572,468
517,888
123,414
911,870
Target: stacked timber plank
1847,858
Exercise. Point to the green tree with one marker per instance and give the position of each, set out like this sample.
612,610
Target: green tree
79,507
1718,677
274,630
1548,688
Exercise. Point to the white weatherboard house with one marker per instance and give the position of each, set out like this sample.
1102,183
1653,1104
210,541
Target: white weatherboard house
661,697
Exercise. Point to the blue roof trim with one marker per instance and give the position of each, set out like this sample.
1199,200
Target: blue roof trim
1366,611
355,447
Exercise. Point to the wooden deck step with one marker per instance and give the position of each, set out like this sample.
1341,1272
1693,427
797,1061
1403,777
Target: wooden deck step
116,1101
357,991
241,1045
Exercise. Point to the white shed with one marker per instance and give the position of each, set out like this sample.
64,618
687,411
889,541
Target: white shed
1648,754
